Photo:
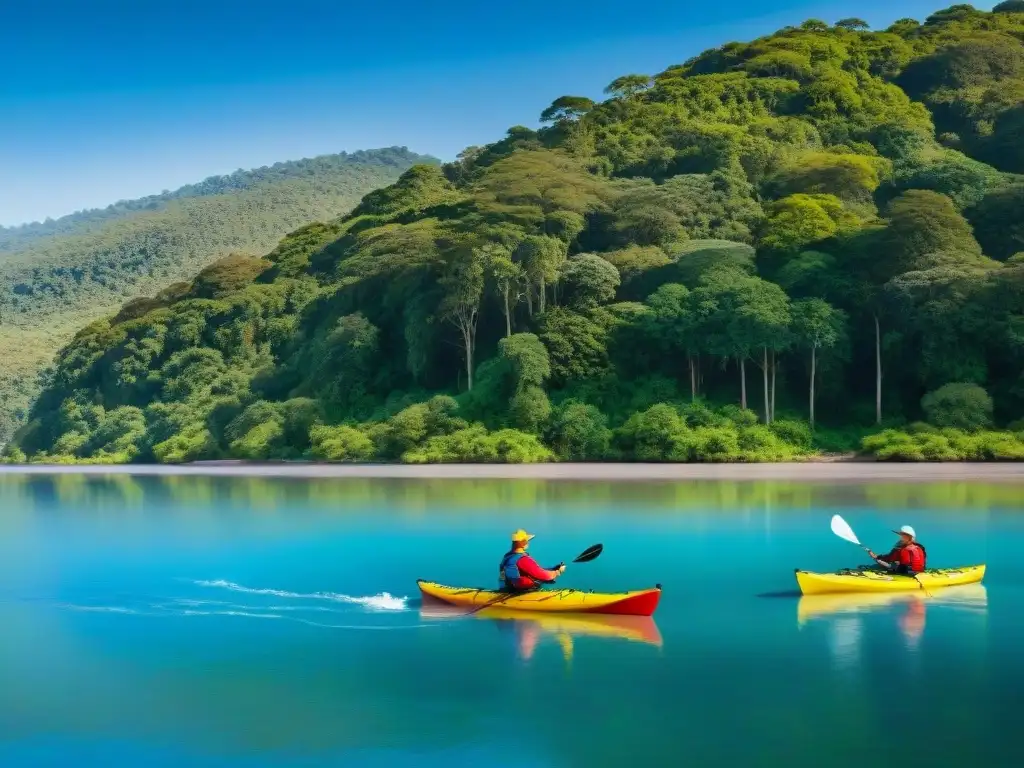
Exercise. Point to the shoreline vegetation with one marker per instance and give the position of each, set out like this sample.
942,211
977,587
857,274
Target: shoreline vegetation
807,245
810,472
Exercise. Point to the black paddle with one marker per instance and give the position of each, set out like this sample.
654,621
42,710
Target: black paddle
590,553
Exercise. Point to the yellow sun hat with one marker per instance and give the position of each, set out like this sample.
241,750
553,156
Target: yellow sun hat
522,535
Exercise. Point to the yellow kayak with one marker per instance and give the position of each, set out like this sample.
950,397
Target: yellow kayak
638,603
969,596
641,629
869,580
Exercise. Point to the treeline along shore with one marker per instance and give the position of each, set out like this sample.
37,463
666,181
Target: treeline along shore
804,245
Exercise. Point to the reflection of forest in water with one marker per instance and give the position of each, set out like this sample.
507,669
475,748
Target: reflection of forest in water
90,494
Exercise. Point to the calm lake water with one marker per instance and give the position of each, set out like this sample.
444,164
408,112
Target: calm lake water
247,622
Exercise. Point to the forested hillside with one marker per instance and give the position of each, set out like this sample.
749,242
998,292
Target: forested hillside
18,237
56,276
773,248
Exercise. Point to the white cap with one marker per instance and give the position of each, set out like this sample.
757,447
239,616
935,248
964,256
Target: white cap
907,530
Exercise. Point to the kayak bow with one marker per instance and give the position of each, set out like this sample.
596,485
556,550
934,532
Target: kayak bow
870,580
637,603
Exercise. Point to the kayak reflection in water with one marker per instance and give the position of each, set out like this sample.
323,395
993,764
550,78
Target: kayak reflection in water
519,572
845,612
528,631
907,557
528,635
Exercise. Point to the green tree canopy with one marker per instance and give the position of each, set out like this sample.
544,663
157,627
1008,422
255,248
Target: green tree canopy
997,222
566,108
588,281
925,229
628,85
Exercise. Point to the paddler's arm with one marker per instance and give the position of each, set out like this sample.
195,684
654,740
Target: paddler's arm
529,567
885,560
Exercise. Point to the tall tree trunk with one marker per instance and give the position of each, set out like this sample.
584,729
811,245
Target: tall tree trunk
878,372
508,316
542,295
743,385
814,365
700,376
693,379
467,338
764,371
774,369
529,299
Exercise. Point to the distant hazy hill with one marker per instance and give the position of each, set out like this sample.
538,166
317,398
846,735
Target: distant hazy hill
325,167
56,276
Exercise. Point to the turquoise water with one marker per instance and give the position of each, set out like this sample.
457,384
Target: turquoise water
231,622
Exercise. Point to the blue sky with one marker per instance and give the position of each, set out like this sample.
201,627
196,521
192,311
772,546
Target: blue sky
114,99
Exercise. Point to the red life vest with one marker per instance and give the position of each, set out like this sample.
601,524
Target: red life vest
913,556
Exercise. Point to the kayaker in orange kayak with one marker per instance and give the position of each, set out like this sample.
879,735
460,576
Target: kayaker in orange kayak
908,556
519,572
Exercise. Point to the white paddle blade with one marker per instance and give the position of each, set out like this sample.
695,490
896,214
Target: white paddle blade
843,530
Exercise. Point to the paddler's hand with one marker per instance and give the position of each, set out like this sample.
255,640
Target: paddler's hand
872,555
560,569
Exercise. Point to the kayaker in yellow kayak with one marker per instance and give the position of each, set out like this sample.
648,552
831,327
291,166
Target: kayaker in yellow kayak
908,556
519,572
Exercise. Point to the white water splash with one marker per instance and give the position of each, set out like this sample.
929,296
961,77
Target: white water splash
383,601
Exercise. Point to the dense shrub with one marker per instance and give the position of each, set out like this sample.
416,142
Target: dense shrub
475,445
193,443
657,434
964,406
579,432
412,425
947,444
796,433
695,433
340,444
